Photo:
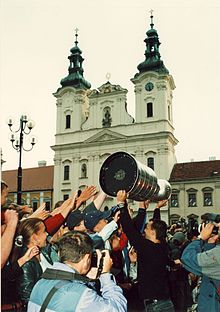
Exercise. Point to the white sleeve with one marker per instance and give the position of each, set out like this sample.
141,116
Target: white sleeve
108,229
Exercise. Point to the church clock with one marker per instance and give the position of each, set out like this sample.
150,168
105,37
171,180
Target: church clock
149,86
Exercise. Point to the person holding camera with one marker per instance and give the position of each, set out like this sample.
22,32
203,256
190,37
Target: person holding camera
65,287
202,257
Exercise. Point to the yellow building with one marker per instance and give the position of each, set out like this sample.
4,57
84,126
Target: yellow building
37,186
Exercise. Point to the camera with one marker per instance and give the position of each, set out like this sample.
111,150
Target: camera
210,218
215,229
94,260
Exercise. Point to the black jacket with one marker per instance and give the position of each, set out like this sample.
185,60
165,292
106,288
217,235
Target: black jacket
32,272
152,262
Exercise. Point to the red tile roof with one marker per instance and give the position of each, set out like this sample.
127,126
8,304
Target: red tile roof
195,170
40,178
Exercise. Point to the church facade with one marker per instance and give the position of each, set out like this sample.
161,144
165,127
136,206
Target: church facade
94,123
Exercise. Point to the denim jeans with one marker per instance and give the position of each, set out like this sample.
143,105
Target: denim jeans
160,306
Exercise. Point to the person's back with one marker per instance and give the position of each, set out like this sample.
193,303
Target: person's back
65,299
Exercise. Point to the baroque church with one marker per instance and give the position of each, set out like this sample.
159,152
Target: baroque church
94,123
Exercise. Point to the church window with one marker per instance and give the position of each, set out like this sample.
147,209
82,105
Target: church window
150,109
66,172
169,114
68,121
107,120
83,171
150,162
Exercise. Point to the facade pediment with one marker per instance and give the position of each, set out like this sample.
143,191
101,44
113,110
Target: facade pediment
107,88
105,135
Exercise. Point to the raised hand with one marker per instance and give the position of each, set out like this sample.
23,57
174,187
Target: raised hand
162,203
11,217
121,196
41,212
30,253
86,194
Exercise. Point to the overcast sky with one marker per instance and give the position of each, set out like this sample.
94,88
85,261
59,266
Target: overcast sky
36,36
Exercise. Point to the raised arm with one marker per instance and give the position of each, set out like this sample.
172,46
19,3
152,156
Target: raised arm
7,238
128,226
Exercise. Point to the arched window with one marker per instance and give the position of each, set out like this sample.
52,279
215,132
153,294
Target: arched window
68,121
107,120
150,162
66,173
150,109
192,197
83,171
207,196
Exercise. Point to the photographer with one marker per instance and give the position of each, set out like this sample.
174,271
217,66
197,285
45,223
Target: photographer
64,287
202,257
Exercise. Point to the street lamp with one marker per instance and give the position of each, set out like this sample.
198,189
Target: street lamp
17,143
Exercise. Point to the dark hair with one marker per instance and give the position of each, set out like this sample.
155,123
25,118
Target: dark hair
73,246
25,230
160,228
4,185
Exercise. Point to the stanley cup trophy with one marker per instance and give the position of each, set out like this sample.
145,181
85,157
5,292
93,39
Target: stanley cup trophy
121,171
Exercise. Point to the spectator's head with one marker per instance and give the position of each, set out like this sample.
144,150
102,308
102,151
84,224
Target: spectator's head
75,249
4,192
178,238
96,220
156,231
30,232
75,221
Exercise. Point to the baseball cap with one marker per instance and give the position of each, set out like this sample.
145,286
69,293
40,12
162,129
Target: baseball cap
180,237
93,218
90,208
74,219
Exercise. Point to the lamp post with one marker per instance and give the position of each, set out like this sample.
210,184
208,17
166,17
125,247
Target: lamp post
17,143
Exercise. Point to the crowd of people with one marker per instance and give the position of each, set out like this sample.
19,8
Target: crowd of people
79,257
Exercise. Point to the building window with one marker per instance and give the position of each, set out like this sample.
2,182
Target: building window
23,201
169,114
48,205
174,218
83,171
65,196
150,162
174,200
68,121
192,200
66,172
150,109
207,199
34,204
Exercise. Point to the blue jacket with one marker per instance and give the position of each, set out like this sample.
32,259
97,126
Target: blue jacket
206,264
76,296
